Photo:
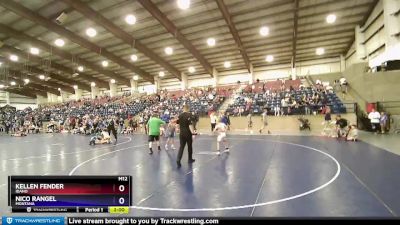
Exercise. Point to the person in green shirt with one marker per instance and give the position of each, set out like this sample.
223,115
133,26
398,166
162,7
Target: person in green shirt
153,127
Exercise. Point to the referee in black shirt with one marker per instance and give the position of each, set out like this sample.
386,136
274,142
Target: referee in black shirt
111,129
185,134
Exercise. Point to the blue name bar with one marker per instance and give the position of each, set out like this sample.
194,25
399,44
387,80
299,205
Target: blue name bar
30,220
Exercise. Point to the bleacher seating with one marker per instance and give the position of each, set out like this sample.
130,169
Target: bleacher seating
250,99
104,106
199,101
253,100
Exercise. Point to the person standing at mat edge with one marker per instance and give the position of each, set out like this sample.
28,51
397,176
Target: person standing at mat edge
264,121
213,120
153,127
111,128
185,135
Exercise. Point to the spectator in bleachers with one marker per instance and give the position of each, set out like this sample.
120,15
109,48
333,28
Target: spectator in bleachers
343,85
282,87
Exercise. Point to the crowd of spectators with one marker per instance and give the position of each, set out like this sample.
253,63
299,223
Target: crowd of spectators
170,104
87,116
129,113
281,98
20,121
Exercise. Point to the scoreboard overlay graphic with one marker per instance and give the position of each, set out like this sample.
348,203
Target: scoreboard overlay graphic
89,194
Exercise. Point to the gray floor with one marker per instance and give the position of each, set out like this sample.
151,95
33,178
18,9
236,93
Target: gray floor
388,142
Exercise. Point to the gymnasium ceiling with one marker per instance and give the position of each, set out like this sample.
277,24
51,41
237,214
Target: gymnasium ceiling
234,24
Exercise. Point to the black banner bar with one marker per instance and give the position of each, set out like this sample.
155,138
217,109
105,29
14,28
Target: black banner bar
77,209
215,221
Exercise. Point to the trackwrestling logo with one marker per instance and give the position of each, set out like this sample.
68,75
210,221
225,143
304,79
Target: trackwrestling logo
32,220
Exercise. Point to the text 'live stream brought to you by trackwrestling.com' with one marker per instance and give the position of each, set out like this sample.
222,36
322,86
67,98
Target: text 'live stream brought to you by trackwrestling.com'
140,221
59,220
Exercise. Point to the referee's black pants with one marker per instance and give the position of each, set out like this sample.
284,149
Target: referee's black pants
113,131
213,126
185,139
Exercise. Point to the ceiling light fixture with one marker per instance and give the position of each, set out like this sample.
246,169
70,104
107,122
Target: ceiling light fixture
136,77
168,50
13,83
211,42
264,31
91,32
192,69
104,63
42,77
59,42
183,4
26,81
75,87
269,58
161,74
320,51
134,58
331,18
2,86
227,64
130,19
93,84
112,81
34,51
14,58
59,89
80,68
